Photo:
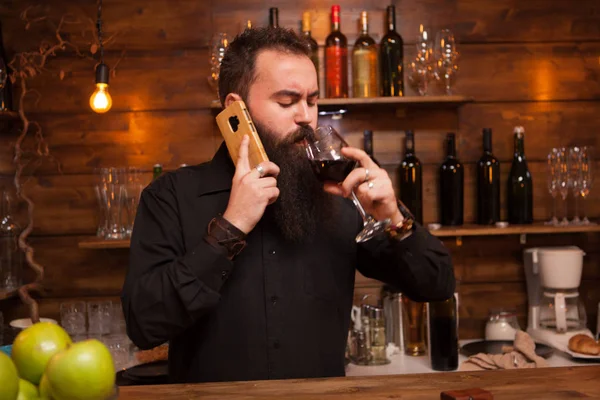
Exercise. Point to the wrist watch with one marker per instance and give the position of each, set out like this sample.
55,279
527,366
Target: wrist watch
223,234
400,230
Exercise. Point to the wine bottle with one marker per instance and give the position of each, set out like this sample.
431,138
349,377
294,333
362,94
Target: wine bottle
488,183
312,43
336,59
157,171
364,62
274,17
451,186
411,180
520,185
6,100
368,145
391,58
443,334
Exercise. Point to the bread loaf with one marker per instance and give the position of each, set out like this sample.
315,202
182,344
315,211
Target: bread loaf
584,344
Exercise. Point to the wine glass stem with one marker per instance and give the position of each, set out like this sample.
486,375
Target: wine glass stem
553,207
565,208
576,207
360,208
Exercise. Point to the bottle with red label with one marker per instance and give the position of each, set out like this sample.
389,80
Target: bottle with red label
336,59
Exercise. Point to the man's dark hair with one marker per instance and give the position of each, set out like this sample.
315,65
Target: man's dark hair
238,65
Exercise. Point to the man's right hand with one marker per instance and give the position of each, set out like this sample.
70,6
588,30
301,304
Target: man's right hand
250,193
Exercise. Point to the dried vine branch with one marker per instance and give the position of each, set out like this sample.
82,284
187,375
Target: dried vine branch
26,65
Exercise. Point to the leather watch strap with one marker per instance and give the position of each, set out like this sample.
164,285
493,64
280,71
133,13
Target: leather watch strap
223,234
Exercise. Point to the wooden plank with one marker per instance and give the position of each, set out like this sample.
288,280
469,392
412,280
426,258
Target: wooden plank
100,243
541,199
159,24
547,125
176,79
82,142
163,24
363,103
472,21
532,71
533,383
536,228
66,204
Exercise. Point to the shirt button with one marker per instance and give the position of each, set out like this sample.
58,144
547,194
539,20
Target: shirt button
274,299
272,252
276,344
224,274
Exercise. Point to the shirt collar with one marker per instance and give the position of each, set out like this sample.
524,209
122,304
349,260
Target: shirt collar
219,174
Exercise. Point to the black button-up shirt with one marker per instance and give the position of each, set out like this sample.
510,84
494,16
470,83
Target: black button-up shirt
278,310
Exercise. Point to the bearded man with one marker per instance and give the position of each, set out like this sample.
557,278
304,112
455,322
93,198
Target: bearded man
248,273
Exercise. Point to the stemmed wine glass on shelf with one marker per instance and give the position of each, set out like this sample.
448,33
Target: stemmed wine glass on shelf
586,180
324,153
446,56
552,167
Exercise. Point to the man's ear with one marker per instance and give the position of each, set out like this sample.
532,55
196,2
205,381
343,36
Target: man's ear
231,97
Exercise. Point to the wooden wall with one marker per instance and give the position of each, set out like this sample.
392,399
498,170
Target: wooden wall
529,63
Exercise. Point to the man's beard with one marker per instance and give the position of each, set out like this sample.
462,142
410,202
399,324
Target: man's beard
302,207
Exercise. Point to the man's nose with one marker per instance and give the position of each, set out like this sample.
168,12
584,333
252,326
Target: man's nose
303,115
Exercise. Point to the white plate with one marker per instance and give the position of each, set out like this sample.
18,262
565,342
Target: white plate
26,322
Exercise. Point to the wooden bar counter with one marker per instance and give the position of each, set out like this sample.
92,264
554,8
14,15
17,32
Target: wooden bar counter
541,383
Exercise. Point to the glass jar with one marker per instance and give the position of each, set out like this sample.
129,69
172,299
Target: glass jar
502,325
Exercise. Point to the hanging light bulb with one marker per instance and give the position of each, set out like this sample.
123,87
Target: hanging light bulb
100,100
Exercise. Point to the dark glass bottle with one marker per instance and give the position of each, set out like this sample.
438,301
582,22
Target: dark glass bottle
312,43
391,58
273,17
488,183
336,59
443,334
157,171
411,180
6,100
368,145
451,186
520,185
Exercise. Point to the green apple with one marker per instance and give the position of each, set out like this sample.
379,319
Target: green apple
27,390
9,389
34,347
45,388
85,371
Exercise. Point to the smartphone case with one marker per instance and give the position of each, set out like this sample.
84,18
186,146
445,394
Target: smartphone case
234,122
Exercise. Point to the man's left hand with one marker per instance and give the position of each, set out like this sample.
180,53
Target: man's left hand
372,186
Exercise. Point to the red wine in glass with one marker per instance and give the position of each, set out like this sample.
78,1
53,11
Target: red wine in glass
332,170
323,149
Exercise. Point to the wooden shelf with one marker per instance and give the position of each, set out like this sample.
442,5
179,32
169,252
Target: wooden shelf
373,101
461,231
7,294
536,228
9,116
97,243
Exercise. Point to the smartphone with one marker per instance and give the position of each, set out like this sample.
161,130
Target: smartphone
234,122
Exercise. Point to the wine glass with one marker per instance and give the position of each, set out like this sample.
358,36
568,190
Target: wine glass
564,180
552,180
324,153
420,69
586,180
445,56
575,179
219,44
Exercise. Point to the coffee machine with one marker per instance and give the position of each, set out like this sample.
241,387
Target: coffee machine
555,313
